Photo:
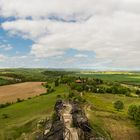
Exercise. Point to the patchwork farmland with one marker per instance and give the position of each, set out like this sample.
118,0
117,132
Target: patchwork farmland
95,94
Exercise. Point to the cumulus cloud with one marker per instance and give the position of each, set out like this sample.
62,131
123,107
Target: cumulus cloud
81,55
41,52
6,47
63,8
110,29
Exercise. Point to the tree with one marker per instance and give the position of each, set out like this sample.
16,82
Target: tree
19,100
137,115
119,105
58,96
56,82
132,111
79,88
138,92
115,90
5,116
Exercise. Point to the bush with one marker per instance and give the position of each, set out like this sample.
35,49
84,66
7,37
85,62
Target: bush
2,105
5,105
19,100
71,95
132,111
5,116
58,96
56,82
119,105
137,115
138,92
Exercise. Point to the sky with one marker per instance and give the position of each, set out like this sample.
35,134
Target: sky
83,34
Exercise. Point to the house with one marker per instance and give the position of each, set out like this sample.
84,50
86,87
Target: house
78,81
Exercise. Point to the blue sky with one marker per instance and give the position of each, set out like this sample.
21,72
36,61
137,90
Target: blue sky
17,43
87,34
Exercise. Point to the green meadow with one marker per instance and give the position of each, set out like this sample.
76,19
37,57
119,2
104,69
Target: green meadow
23,117
107,120
19,121
133,78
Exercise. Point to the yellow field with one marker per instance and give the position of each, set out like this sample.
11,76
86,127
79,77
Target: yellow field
10,93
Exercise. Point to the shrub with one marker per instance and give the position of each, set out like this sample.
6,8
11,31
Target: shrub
19,100
56,82
5,116
2,105
119,105
5,105
58,96
138,92
132,111
71,95
137,115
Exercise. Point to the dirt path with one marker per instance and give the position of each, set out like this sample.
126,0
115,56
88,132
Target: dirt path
70,133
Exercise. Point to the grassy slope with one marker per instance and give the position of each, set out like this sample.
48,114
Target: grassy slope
24,116
29,74
102,115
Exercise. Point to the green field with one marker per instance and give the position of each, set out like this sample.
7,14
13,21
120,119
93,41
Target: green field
39,75
133,78
109,121
20,120
23,117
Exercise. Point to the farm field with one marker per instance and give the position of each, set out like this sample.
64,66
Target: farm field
103,116
19,120
123,77
22,117
10,93
39,75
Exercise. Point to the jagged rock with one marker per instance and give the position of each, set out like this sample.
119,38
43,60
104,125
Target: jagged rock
57,128
56,131
59,105
80,121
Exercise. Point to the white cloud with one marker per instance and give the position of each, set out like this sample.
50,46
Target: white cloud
110,29
41,52
64,8
81,55
6,47
32,29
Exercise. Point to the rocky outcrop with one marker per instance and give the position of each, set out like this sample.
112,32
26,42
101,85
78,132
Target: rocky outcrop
69,123
57,128
80,121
